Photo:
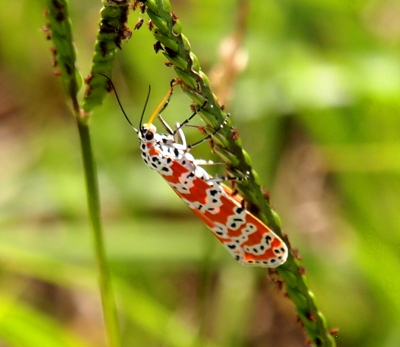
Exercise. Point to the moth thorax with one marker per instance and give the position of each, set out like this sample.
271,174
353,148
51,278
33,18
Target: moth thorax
149,127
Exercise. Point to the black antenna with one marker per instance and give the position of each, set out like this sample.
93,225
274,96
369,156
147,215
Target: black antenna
122,109
144,110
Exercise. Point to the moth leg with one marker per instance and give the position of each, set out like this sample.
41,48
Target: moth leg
208,137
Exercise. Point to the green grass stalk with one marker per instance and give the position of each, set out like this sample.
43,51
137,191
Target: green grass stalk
93,199
167,29
60,28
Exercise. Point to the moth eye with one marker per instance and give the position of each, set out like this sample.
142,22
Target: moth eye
149,136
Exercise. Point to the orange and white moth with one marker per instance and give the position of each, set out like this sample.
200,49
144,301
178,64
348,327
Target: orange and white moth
245,237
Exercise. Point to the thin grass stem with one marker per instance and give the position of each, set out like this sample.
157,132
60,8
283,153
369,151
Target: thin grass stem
60,27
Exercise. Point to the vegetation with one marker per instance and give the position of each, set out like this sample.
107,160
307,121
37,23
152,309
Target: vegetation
312,88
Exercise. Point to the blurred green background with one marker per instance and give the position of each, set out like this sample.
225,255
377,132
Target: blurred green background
314,91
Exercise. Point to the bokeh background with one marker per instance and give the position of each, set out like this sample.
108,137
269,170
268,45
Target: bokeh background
314,91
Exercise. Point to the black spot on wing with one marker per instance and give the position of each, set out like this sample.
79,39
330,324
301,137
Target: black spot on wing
213,192
239,210
268,239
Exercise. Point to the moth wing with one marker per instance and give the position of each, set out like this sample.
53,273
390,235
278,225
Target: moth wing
246,238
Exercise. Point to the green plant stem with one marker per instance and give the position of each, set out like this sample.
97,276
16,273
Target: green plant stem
113,30
167,30
106,289
60,26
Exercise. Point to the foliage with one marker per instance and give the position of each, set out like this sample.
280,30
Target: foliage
316,109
